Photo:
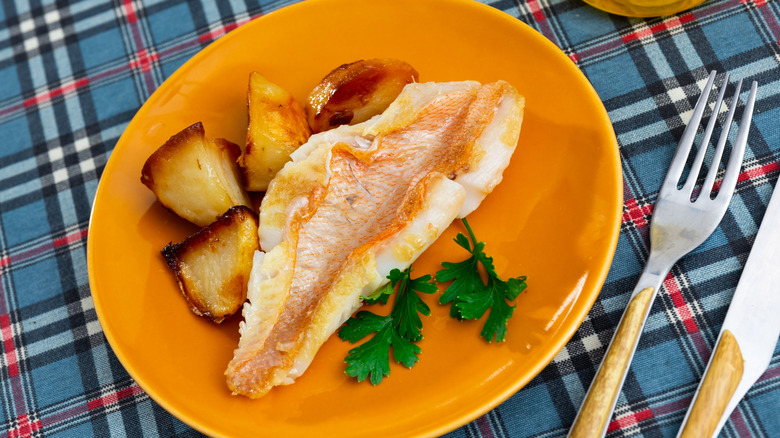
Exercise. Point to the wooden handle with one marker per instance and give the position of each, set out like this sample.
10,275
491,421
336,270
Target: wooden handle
722,379
597,408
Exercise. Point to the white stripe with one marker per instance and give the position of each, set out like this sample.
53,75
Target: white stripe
44,319
116,423
49,123
643,133
67,207
148,420
20,190
658,59
61,58
49,343
633,110
18,168
93,20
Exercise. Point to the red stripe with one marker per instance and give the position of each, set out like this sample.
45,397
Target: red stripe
178,48
536,10
9,349
683,310
143,63
665,25
759,171
769,18
686,18
218,32
24,428
113,397
639,214
701,346
738,422
144,60
484,427
750,174
620,40
129,9
770,373
630,419
64,415
672,407
30,253
100,402
51,94
636,213
602,48
11,109
70,238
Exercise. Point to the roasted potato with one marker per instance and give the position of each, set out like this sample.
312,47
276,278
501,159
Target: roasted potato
195,177
277,126
212,266
353,93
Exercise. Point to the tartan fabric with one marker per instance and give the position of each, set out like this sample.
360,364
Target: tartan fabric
72,75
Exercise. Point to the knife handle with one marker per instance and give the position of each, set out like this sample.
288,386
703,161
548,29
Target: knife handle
720,382
597,408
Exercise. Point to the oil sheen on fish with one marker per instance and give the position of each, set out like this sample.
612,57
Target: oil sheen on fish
358,201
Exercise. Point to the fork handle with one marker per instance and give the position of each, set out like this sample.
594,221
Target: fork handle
597,408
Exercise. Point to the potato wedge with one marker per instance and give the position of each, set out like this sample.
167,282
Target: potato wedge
277,126
195,177
212,266
353,93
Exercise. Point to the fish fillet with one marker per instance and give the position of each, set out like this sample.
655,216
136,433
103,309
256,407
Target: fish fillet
358,201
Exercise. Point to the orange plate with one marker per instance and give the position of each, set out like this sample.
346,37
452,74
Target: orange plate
555,218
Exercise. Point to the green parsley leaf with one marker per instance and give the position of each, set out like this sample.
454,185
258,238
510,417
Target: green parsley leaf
363,324
381,295
399,330
471,297
371,358
409,306
405,351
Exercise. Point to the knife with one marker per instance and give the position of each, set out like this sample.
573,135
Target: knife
748,336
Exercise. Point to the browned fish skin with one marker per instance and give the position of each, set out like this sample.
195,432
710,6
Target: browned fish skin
370,195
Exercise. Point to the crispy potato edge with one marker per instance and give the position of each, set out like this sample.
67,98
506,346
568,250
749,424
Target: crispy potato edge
172,252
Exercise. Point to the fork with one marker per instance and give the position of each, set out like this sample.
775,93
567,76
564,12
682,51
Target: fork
678,226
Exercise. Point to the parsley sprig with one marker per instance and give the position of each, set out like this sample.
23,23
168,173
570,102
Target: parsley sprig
471,297
401,329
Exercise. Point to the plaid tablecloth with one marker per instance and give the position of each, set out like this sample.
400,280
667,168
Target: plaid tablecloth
73,74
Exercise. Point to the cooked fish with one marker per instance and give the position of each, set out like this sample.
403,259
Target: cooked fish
358,201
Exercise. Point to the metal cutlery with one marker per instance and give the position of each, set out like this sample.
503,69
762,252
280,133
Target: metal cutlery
679,225
748,336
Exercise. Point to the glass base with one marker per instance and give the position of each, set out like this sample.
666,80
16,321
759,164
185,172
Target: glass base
643,8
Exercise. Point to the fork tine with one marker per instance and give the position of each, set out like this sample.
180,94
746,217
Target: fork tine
706,188
705,141
738,149
684,147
